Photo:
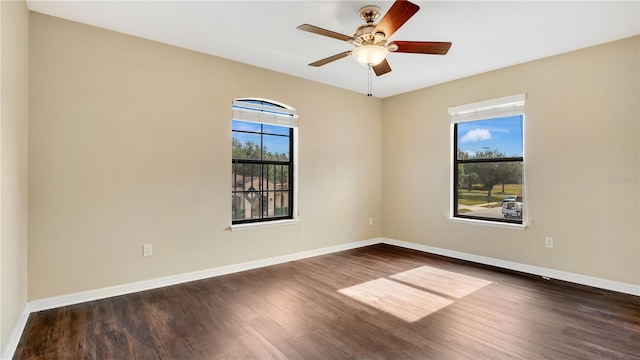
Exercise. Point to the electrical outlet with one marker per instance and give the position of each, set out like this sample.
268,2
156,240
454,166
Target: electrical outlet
370,221
548,242
147,250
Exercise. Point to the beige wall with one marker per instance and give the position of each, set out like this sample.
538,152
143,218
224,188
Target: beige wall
581,158
130,143
14,59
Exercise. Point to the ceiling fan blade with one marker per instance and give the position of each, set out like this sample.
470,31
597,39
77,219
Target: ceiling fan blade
382,68
325,32
421,47
398,14
330,59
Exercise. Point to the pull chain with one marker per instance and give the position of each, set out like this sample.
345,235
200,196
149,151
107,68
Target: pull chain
369,71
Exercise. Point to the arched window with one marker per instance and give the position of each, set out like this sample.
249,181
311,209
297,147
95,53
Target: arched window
262,187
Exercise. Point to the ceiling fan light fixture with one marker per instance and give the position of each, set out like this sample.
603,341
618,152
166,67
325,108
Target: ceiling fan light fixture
370,47
370,54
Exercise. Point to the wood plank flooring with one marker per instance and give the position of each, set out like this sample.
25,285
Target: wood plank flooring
377,302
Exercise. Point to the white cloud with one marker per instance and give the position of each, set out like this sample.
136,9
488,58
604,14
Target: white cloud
476,135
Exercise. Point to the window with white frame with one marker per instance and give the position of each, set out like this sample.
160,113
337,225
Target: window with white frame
263,152
488,160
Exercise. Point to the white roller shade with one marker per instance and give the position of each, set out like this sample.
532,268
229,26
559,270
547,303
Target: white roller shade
264,114
488,109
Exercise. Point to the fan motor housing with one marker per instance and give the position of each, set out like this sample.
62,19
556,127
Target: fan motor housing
364,35
364,29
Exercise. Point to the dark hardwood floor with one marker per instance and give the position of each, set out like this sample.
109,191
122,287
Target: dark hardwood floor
377,302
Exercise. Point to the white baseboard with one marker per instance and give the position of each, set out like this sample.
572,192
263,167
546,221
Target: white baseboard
14,338
103,293
530,269
76,298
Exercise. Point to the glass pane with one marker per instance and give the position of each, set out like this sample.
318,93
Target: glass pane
245,126
490,190
245,146
275,147
246,190
274,129
242,186
492,138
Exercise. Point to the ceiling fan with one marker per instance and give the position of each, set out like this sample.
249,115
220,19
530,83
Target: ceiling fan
370,39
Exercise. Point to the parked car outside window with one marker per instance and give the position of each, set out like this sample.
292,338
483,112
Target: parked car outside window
512,209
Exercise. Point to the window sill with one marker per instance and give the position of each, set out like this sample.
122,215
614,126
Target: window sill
489,223
265,224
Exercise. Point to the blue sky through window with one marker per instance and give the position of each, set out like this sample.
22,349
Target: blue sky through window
502,134
274,144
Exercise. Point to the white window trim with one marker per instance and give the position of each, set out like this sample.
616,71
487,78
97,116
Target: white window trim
488,109
264,224
285,116
483,110
489,223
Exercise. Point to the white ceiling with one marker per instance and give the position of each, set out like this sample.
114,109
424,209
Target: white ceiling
486,35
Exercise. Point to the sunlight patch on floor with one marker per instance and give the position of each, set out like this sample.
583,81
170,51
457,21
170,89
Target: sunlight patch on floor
429,290
402,301
441,281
